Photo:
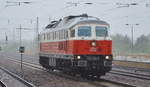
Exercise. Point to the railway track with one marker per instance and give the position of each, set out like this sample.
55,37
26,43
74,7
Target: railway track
27,84
134,69
130,74
99,82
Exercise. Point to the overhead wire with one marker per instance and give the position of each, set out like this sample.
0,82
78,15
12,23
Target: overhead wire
128,15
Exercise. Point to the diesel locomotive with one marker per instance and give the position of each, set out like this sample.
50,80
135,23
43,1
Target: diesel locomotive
78,44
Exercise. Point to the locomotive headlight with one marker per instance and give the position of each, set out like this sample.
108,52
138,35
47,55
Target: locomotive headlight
78,57
93,43
107,57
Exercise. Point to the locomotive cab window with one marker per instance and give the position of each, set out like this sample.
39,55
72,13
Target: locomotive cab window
72,33
101,31
84,31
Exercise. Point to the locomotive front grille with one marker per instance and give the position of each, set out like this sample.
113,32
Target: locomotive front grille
89,61
95,64
92,58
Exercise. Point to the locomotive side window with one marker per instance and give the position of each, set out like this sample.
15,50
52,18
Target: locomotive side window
59,35
72,33
63,35
84,31
41,37
47,36
50,35
44,36
101,31
66,34
55,35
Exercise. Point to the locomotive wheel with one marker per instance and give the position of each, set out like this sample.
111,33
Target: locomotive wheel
51,69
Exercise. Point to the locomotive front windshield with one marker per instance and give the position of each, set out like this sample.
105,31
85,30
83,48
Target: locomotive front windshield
101,31
84,31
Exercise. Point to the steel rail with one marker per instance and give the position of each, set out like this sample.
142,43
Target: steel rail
17,77
130,74
2,85
132,68
118,83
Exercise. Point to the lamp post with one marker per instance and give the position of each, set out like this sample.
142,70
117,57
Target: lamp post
132,34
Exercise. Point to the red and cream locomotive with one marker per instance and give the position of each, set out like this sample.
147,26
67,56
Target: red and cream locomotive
78,44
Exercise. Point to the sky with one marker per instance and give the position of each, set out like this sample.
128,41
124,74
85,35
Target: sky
108,10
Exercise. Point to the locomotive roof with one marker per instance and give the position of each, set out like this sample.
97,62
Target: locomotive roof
71,21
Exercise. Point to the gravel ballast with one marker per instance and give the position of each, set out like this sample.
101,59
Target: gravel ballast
41,78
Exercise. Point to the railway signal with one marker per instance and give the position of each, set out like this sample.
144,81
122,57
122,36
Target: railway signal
21,48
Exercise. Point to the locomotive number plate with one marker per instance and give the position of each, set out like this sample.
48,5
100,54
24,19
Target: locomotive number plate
82,63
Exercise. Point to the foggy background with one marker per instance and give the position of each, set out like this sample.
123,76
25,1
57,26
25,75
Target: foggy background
115,12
